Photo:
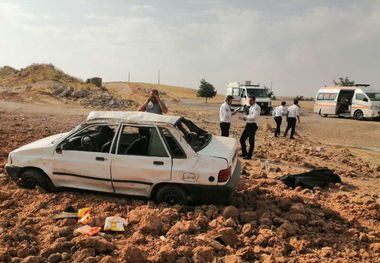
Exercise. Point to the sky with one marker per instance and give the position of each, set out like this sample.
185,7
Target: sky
297,45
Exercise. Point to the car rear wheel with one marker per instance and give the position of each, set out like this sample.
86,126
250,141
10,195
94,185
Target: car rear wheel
171,194
32,177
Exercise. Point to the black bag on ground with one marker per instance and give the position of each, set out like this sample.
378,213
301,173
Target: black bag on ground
317,177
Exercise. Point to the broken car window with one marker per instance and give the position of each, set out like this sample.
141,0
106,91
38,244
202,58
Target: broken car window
194,136
174,147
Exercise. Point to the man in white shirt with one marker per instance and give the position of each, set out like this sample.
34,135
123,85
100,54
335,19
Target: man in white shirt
293,115
250,128
278,112
225,116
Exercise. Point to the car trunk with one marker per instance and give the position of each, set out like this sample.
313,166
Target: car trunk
221,147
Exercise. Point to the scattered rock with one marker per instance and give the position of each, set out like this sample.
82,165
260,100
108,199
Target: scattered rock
228,236
203,254
375,247
133,254
137,237
167,255
54,258
182,227
23,252
98,243
32,259
232,259
326,251
150,224
247,216
230,211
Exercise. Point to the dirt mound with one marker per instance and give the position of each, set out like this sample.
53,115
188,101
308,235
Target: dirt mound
266,222
47,84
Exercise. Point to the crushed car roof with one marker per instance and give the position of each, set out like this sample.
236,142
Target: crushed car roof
132,116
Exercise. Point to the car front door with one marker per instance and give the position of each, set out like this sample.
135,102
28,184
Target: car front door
83,160
141,160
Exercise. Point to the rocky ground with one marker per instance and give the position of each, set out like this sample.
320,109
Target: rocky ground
266,222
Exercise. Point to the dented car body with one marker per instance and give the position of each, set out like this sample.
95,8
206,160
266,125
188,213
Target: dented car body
166,158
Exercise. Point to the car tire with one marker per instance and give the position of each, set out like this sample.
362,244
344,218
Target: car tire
171,194
358,115
30,178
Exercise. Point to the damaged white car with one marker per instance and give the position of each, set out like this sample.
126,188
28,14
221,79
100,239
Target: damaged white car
165,158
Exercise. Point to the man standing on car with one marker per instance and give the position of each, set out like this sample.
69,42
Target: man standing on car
293,115
225,116
154,104
278,112
250,128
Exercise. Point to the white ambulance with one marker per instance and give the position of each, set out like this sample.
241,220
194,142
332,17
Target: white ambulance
359,101
240,91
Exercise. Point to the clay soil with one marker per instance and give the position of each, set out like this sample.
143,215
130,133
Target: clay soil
266,221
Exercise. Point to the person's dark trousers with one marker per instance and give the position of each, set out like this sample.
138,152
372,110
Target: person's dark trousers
291,125
278,121
225,128
249,132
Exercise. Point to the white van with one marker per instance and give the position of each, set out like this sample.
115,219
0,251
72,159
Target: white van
240,91
358,101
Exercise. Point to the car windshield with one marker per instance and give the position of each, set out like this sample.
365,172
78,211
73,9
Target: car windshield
195,136
373,96
259,93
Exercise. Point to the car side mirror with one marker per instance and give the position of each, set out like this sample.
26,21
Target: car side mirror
365,99
59,149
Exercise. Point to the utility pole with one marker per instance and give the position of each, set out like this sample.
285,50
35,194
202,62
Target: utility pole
129,77
158,77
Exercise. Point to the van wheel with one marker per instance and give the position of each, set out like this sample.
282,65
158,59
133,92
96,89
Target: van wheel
30,178
322,115
358,115
171,194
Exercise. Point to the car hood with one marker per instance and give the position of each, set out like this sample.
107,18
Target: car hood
44,142
221,147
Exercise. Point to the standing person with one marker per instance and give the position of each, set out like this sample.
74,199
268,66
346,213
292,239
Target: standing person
293,115
225,116
250,128
278,112
154,104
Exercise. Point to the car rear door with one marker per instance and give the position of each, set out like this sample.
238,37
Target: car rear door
141,159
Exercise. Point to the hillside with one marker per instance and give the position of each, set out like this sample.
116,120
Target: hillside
137,91
45,84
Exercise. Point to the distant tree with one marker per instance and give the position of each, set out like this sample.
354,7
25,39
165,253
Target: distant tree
299,98
206,90
344,82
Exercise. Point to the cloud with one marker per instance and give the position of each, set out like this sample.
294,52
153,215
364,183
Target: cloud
144,7
297,51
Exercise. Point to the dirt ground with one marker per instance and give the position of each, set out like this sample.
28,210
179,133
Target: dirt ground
266,222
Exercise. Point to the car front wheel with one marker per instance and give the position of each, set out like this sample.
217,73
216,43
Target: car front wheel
171,194
32,177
